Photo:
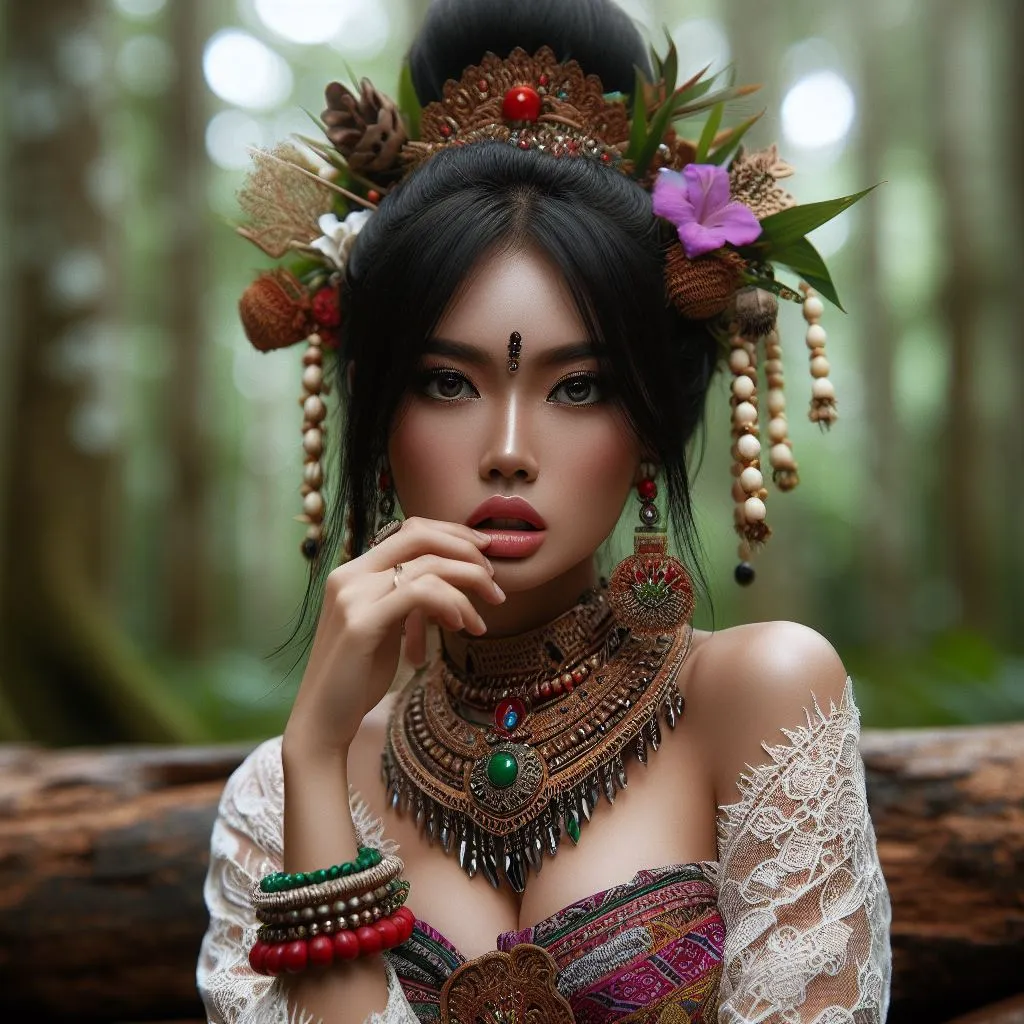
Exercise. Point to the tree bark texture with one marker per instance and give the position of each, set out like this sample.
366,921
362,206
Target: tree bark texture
67,672
103,855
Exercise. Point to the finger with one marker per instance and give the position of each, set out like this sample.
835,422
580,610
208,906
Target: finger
415,638
465,576
421,536
435,598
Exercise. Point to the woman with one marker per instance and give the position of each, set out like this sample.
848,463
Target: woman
513,373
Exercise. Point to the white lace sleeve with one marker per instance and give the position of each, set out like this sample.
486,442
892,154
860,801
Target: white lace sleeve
247,843
801,891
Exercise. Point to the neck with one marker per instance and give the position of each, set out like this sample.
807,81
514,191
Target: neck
524,610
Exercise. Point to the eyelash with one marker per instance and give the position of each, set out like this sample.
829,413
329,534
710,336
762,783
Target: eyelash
433,374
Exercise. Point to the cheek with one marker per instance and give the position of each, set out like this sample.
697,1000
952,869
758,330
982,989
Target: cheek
598,463
426,455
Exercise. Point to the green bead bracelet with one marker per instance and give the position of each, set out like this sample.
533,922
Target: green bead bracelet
281,881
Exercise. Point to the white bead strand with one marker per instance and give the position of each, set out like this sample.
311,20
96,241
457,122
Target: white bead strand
748,490
314,411
780,455
823,394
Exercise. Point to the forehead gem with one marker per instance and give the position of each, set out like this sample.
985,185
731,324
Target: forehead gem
515,346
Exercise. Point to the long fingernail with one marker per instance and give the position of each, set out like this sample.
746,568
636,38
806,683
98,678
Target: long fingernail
499,591
484,538
490,565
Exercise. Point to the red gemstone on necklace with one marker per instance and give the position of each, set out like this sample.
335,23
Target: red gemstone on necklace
509,715
521,103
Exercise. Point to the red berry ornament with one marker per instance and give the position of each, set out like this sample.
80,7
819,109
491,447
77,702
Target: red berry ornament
326,310
521,103
647,489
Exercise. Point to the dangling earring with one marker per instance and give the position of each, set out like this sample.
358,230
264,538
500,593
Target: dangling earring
387,524
650,591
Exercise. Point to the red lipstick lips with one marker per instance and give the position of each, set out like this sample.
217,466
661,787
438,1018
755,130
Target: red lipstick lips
514,526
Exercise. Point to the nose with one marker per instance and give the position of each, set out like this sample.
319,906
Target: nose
508,452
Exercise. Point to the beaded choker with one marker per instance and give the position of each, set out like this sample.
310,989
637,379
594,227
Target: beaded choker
500,791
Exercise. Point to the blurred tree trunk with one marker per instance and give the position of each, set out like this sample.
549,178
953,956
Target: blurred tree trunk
66,672
1011,128
962,294
186,556
884,542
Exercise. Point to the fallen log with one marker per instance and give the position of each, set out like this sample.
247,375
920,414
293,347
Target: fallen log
103,853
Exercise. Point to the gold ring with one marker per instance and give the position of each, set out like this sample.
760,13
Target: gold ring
398,572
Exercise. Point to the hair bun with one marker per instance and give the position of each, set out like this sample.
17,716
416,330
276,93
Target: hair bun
457,33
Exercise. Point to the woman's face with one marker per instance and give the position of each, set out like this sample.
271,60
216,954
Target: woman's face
547,434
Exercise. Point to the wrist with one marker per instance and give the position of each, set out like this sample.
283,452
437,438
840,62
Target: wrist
300,749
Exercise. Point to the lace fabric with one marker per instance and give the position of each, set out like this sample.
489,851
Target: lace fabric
799,887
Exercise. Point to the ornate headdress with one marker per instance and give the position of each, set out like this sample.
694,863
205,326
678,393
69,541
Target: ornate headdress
734,222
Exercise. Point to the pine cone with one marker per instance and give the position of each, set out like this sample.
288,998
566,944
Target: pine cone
367,130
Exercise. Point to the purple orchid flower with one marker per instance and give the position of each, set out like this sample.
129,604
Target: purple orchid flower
698,203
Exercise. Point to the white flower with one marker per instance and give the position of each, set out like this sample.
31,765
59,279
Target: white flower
339,236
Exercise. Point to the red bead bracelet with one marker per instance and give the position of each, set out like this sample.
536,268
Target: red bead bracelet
324,950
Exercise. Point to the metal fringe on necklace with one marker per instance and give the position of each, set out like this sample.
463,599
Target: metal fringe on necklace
501,798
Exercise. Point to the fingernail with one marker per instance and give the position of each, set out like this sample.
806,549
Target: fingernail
499,591
490,565
484,538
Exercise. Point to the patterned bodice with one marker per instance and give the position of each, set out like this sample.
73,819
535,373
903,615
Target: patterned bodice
649,950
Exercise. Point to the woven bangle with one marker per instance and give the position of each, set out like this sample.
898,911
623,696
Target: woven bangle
337,908
280,881
314,895
324,950
273,934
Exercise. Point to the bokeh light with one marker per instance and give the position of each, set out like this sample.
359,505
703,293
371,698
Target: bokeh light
818,110
245,72
230,134
306,21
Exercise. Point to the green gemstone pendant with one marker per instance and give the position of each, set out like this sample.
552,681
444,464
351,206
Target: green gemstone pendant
502,770
572,826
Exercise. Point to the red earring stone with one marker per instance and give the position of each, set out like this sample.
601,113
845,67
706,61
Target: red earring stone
521,103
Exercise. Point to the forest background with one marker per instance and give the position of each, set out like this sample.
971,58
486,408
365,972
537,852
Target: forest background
150,458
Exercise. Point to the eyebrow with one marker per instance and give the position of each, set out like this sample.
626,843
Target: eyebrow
480,357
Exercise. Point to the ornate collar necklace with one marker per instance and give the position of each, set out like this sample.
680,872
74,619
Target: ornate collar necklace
500,746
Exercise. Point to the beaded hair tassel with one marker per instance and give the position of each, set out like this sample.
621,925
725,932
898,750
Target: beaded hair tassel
823,393
314,412
755,320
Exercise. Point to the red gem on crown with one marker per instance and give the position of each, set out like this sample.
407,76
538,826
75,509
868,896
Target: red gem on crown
521,103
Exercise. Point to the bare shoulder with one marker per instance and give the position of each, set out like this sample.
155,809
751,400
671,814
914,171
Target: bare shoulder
750,682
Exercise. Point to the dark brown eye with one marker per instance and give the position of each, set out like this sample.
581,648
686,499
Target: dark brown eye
580,390
447,386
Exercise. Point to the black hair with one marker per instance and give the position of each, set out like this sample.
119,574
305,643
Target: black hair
593,223
457,33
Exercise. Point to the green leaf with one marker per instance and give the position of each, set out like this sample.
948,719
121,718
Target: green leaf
638,129
408,102
707,101
769,284
788,226
805,260
707,136
670,66
731,142
665,115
